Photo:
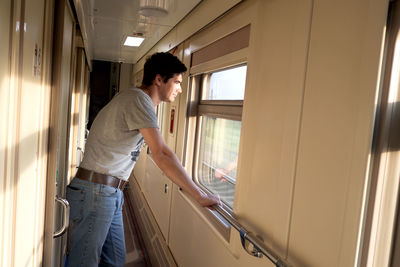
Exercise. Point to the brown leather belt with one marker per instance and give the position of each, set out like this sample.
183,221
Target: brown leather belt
99,178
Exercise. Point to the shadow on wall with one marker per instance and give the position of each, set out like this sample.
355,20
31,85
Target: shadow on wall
21,157
37,248
394,140
24,170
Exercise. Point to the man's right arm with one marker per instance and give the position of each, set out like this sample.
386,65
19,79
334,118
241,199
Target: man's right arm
170,165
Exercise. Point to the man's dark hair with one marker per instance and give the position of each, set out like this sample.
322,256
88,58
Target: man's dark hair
165,64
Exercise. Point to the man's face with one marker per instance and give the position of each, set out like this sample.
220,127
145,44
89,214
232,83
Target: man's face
170,89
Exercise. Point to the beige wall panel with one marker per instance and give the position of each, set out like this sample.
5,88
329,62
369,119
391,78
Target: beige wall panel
29,202
277,62
206,12
125,76
72,106
5,192
137,78
65,87
157,190
83,109
271,118
24,97
192,242
77,121
5,9
140,167
336,131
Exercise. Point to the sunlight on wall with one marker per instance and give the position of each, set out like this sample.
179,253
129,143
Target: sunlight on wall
3,120
21,189
3,197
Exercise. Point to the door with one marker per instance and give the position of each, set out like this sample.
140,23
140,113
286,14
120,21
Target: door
25,78
58,164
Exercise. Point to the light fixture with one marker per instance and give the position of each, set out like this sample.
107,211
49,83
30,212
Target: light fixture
153,8
133,41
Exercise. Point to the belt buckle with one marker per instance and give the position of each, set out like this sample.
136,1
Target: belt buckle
119,183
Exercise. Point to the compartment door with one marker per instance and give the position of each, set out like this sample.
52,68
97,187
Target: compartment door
58,164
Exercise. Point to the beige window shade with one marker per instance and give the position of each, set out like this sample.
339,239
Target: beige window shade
230,43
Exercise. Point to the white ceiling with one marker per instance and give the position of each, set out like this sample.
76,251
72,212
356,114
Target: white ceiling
108,22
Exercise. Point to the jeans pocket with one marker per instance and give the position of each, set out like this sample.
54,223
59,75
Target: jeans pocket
76,196
107,191
106,201
75,192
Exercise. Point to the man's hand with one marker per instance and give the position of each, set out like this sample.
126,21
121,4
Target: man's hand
206,200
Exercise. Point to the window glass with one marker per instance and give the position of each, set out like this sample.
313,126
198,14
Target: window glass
227,84
218,154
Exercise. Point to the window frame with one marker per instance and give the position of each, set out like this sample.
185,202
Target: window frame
220,61
224,109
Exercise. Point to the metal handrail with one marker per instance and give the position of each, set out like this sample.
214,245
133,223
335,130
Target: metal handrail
259,248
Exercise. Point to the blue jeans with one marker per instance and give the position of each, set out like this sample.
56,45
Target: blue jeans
96,232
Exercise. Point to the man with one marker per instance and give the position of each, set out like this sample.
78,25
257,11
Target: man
116,136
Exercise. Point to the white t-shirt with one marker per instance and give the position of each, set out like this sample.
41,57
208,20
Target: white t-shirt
114,141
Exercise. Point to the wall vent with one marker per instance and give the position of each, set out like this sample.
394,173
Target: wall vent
160,253
157,249
147,223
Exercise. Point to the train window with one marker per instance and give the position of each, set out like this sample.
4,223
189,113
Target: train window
218,153
218,130
226,84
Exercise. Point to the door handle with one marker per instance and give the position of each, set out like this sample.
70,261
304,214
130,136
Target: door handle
65,205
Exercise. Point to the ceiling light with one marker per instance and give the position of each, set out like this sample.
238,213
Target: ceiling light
133,41
153,8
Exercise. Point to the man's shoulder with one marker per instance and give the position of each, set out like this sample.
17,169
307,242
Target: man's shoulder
129,93
135,98
134,91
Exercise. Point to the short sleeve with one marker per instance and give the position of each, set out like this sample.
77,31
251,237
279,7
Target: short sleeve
140,112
